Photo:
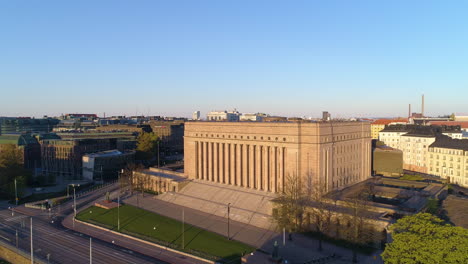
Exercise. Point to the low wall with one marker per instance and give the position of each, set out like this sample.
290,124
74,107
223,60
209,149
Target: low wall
16,256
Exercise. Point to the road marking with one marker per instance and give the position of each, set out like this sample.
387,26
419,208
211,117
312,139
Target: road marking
15,218
6,238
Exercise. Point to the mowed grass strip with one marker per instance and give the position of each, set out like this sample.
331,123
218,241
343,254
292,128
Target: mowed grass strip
152,225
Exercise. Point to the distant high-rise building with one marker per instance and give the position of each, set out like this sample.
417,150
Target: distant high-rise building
196,115
326,116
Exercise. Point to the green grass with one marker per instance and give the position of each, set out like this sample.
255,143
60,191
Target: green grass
141,223
410,177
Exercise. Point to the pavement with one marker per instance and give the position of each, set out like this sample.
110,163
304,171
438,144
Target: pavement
299,250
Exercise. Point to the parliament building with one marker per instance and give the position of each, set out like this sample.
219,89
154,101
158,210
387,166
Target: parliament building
262,155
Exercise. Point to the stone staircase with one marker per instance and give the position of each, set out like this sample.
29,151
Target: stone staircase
248,206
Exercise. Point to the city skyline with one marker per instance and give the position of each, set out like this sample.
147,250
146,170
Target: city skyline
356,59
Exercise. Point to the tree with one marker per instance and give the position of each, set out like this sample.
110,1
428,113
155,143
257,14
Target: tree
147,146
424,238
11,168
452,117
127,179
320,208
358,230
289,207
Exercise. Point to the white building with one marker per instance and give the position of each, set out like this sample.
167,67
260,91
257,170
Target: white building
461,116
196,115
454,135
448,159
415,150
230,116
252,117
391,136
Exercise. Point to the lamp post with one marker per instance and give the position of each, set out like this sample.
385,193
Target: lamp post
159,165
16,193
32,251
228,212
90,250
183,228
118,202
74,198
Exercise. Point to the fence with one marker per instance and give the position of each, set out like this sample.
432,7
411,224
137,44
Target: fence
41,204
17,255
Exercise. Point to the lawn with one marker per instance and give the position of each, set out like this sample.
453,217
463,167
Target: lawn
151,226
410,177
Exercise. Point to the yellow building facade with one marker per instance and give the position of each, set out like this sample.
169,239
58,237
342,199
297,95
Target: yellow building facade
448,159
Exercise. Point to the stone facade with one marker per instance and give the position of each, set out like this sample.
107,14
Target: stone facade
261,155
159,180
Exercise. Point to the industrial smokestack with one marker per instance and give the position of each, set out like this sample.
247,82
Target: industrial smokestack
409,111
422,106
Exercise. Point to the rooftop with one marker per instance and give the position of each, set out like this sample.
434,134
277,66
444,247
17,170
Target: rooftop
462,124
389,121
107,153
175,176
18,139
450,143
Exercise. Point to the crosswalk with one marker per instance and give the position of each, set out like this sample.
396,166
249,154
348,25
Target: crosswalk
16,218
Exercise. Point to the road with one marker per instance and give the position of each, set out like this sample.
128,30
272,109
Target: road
58,244
62,245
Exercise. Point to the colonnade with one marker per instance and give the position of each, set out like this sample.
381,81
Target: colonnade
246,165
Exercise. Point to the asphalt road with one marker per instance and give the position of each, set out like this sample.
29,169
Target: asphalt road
61,245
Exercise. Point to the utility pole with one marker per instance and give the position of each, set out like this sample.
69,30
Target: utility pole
284,236
228,212
118,202
74,201
159,165
32,251
183,224
90,250
16,235
16,193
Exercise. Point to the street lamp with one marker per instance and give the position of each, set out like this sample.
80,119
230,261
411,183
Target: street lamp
118,201
159,165
16,193
74,198
228,212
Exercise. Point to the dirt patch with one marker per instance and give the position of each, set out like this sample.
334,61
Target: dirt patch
456,209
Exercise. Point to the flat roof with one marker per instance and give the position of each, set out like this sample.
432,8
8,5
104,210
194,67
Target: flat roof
167,175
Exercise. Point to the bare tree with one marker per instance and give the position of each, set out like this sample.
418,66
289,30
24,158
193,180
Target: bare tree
127,179
319,207
358,230
289,209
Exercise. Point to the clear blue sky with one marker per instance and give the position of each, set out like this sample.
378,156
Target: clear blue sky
294,58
